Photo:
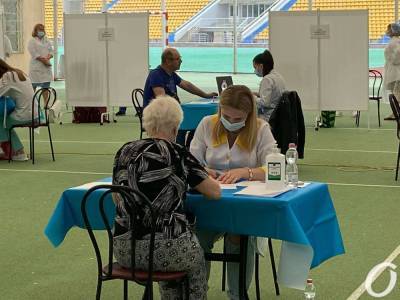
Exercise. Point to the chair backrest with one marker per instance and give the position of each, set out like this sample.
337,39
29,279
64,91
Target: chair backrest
377,84
137,101
136,201
46,95
394,104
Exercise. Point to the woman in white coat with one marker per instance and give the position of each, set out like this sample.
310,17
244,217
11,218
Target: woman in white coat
232,145
41,51
392,62
15,84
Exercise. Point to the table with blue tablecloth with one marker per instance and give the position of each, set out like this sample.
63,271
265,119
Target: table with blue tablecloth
194,112
304,219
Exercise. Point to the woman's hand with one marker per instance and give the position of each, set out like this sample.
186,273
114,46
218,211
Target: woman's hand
213,174
234,175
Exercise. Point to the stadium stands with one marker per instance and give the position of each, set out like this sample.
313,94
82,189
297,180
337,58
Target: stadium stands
381,12
179,11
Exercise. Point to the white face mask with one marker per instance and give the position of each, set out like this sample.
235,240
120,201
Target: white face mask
232,126
258,72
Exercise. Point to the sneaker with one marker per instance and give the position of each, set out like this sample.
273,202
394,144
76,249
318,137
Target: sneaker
120,113
20,157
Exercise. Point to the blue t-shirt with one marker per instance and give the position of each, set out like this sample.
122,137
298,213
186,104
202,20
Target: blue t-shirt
160,78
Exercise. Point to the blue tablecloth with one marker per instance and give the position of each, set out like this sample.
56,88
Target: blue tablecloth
194,112
304,217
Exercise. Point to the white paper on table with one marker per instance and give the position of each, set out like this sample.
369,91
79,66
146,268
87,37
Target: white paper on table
261,190
248,183
228,186
89,185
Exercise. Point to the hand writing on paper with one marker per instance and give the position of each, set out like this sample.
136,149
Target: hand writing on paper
232,176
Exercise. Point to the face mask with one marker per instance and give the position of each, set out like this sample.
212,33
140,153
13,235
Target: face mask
258,72
40,34
232,126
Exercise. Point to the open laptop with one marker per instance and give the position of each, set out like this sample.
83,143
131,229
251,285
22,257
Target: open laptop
223,82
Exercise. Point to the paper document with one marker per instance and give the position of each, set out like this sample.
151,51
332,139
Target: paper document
89,185
226,186
248,183
261,190
202,102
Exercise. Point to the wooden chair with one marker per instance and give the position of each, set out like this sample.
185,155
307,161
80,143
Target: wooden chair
376,93
137,201
137,101
396,112
48,96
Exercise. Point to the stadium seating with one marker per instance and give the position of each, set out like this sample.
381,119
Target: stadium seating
179,11
381,13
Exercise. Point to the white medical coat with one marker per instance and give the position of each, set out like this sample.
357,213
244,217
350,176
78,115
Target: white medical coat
38,72
392,63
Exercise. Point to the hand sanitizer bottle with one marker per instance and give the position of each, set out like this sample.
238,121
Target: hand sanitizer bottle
275,173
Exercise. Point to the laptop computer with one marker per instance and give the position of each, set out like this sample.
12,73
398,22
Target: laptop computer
223,82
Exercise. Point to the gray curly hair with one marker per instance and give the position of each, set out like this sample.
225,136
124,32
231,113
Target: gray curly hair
163,114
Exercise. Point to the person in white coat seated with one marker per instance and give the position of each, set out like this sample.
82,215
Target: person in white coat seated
232,145
272,84
17,85
41,51
392,63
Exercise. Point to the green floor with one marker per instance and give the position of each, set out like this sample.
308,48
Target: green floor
357,163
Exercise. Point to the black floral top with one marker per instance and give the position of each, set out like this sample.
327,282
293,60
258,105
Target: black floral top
161,170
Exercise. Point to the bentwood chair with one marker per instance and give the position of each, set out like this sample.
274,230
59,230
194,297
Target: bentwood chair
137,101
377,78
137,202
396,112
43,98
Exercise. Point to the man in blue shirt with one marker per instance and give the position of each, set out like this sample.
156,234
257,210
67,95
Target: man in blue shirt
164,81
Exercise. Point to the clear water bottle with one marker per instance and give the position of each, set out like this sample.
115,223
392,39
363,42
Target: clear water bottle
309,292
292,174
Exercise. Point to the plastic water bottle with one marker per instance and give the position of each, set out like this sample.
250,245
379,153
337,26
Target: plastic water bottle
292,173
309,292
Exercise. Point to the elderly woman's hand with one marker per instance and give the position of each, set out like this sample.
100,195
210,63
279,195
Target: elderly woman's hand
212,173
234,175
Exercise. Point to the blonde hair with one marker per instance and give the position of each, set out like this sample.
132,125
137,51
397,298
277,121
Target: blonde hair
163,114
239,97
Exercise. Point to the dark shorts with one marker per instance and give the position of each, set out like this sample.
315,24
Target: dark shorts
41,84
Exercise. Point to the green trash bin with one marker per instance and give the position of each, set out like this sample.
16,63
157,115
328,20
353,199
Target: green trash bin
328,118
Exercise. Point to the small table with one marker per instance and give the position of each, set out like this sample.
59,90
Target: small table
304,219
194,112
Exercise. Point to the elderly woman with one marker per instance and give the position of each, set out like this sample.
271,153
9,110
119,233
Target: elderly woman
233,145
272,84
15,84
162,170
392,62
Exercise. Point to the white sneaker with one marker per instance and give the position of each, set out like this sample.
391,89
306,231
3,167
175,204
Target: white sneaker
20,157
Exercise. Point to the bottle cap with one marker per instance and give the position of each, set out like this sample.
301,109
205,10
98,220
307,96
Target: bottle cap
309,280
292,145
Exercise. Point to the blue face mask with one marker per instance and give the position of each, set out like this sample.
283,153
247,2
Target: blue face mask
232,126
40,34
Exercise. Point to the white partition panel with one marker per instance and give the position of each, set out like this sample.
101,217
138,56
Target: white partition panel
106,57
323,55
344,63
128,56
294,58
85,60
